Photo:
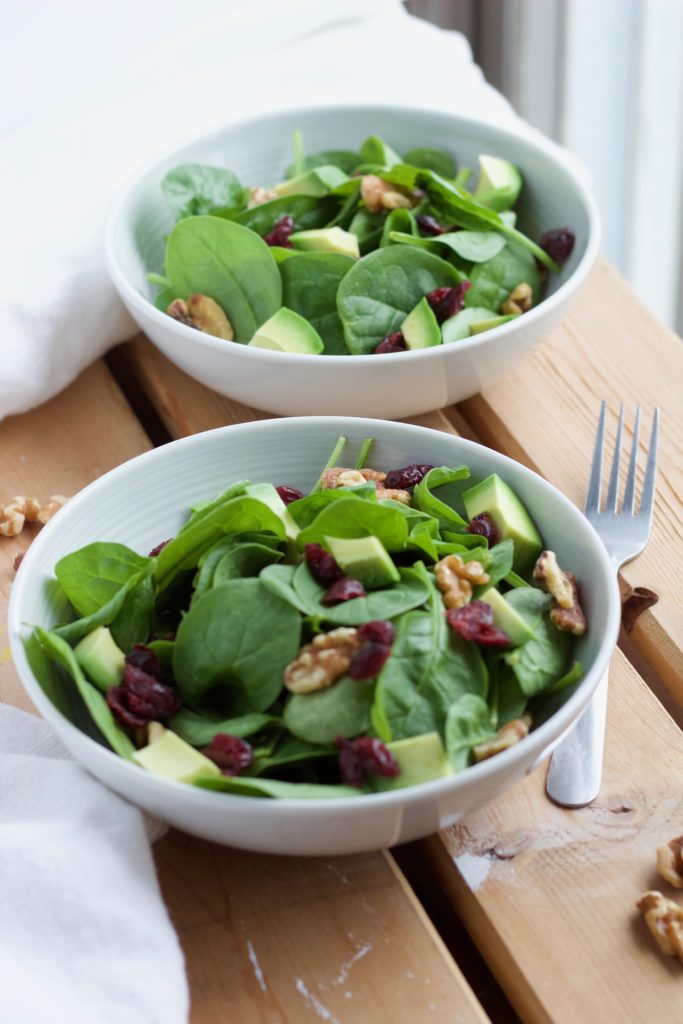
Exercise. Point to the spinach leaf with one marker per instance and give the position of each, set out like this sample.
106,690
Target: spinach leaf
493,281
305,510
133,624
473,246
343,709
429,244
279,580
375,151
422,538
306,211
426,501
193,189
345,159
204,508
468,723
506,698
199,729
432,159
58,650
164,299
513,580
245,786
309,288
498,563
91,576
387,603
367,227
242,560
287,751
398,221
383,287
105,615
231,264
350,517
233,647
539,662
545,704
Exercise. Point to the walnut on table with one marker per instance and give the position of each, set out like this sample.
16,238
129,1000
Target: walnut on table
565,610
455,579
340,476
21,510
664,918
670,862
323,661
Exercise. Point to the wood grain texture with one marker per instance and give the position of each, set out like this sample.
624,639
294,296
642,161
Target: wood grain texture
545,414
339,940
548,895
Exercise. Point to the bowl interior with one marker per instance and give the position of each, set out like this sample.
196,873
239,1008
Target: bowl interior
146,500
259,150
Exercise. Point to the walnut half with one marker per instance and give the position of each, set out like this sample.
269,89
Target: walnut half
520,300
670,862
204,314
455,579
339,476
507,736
380,195
565,611
664,918
323,661
21,510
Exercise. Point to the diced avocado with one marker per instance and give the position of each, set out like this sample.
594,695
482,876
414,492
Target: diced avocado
375,151
508,513
458,327
268,495
420,328
506,618
499,183
99,657
173,758
286,331
365,559
421,759
317,182
479,326
326,240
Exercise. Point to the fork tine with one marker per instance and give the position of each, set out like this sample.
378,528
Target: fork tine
629,493
593,495
647,497
611,503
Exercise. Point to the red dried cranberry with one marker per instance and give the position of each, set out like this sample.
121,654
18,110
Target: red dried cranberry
343,590
144,658
160,547
378,632
18,560
475,622
429,225
446,302
289,494
369,661
323,567
230,753
483,526
558,243
280,233
365,756
116,699
146,695
407,477
392,343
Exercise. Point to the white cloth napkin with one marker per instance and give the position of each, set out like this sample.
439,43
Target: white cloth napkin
60,170
84,935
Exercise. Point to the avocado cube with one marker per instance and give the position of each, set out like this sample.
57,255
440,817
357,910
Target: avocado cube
420,758
420,328
267,493
173,758
506,618
365,559
510,516
479,326
317,182
286,331
326,240
499,183
99,657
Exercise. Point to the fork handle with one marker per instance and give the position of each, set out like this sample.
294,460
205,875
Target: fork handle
575,770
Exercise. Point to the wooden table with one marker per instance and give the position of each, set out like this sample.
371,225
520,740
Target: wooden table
523,912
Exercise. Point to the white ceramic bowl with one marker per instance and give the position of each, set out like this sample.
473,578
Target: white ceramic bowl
392,386
146,500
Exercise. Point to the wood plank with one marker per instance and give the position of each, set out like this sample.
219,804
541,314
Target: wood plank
545,413
548,895
333,937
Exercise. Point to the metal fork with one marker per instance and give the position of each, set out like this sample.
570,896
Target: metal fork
575,770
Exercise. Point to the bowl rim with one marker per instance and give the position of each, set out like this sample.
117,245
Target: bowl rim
539,738
146,308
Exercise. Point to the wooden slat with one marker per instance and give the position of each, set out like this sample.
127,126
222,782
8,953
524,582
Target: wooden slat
266,939
548,895
545,413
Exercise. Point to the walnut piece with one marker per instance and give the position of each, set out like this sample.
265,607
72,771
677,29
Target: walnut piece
258,195
204,314
569,620
509,734
664,918
520,300
670,862
456,578
51,507
322,662
21,510
380,195
338,476
551,579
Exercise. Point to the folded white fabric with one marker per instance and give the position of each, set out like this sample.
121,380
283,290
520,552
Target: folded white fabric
60,171
84,935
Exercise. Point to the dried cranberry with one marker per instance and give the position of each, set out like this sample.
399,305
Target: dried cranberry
558,243
378,632
343,590
289,494
280,233
407,477
483,526
392,343
365,756
160,547
141,698
230,753
446,302
475,622
323,567
429,225
369,661
18,560
142,657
